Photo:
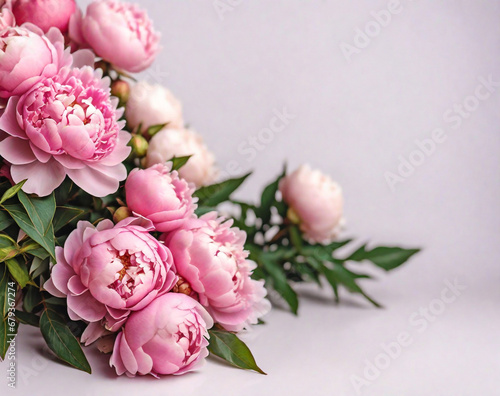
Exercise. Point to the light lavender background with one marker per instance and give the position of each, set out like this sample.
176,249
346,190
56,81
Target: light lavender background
353,119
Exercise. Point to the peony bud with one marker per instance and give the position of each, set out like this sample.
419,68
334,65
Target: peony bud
139,146
121,213
121,89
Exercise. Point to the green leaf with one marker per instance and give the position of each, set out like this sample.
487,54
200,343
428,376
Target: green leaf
229,347
8,331
40,210
8,248
65,215
387,258
5,329
4,288
154,129
323,252
38,267
19,272
279,282
179,162
296,238
268,198
32,298
201,210
27,318
340,275
34,249
37,223
217,193
5,220
61,341
11,192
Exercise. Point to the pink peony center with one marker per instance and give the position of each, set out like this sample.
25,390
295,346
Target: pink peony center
133,273
72,118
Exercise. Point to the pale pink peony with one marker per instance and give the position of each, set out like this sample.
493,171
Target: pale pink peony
108,271
27,56
120,33
161,196
7,18
44,13
150,105
315,201
208,254
66,125
169,143
169,336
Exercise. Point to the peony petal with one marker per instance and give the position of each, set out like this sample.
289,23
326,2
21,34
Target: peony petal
42,178
8,120
17,151
83,58
91,333
116,360
95,182
86,307
121,151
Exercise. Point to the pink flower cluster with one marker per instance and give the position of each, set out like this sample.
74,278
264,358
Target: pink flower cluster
57,116
160,295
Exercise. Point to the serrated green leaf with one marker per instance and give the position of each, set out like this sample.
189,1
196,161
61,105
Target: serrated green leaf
19,272
65,215
179,162
61,341
11,192
386,258
215,194
229,347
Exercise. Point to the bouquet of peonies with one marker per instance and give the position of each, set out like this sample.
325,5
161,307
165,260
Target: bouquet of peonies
109,229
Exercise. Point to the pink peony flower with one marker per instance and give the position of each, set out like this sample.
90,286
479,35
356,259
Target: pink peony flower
44,13
150,105
108,271
159,195
120,33
208,254
315,202
28,56
169,336
6,16
200,169
66,125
